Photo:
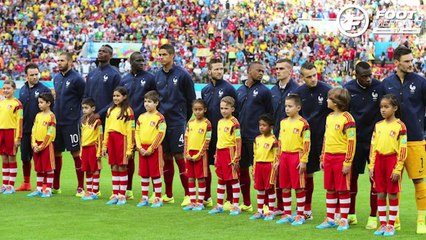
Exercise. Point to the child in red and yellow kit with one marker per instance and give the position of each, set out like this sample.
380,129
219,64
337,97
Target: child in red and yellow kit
228,154
10,135
150,132
197,139
336,157
119,132
265,161
294,142
42,137
387,155
91,147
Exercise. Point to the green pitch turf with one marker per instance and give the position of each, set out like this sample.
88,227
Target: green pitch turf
65,216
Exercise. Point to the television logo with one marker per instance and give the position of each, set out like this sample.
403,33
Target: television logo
397,22
353,21
400,15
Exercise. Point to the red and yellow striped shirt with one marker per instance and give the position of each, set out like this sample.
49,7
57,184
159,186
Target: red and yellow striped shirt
124,126
340,136
197,136
150,129
11,116
44,130
389,138
295,136
228,135
92,135
265,149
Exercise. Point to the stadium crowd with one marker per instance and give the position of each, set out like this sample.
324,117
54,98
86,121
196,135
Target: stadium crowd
244,37
237,32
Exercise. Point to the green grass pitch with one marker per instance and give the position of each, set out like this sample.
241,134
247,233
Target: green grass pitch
65,216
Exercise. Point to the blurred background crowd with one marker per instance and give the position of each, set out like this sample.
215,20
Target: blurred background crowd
236,31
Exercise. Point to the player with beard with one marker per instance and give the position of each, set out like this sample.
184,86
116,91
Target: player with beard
410,89
69,88
28,95
212,93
